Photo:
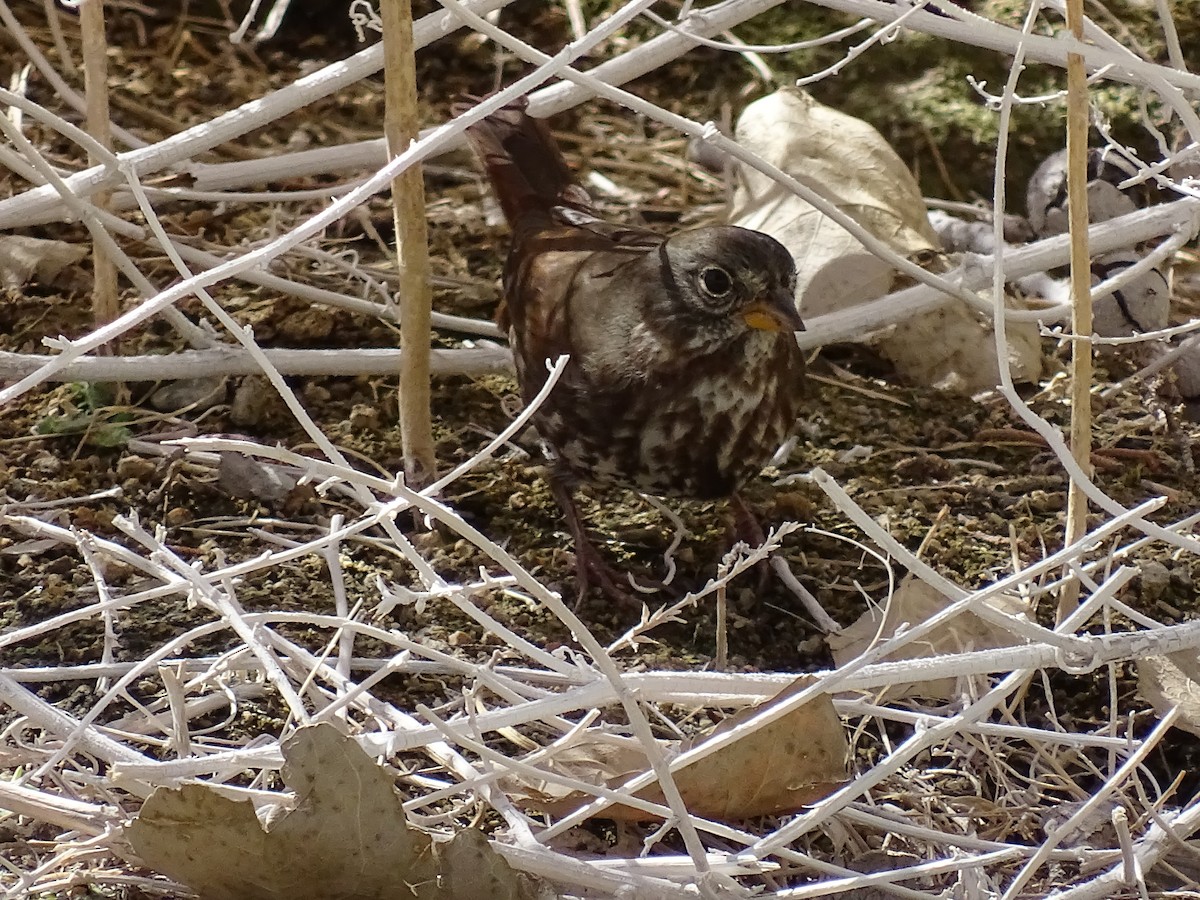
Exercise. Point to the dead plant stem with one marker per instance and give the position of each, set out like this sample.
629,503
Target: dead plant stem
1081,300
402,127
95,75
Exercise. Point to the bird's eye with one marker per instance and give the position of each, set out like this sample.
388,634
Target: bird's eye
716,282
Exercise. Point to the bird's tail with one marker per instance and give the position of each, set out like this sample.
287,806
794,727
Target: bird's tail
524,165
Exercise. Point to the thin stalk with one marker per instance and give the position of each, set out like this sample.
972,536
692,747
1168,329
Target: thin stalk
402,127
95,78
1081,297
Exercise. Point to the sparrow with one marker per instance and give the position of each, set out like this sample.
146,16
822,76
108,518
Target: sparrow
684,376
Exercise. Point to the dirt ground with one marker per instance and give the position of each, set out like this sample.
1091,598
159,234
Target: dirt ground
960,477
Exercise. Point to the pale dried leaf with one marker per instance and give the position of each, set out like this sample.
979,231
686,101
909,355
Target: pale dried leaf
28,259
1172,681
345,838
592,757
777,768
472,869
914,602
849,162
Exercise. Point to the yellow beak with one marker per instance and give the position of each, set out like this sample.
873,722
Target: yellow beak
767,316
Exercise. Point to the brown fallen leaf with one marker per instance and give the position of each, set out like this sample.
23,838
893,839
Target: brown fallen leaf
781,767
345,838
914,602
778,768
593,757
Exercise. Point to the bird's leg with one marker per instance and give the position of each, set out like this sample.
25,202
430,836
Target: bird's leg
746,528
589,564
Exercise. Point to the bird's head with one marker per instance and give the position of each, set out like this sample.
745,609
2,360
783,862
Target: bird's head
722,282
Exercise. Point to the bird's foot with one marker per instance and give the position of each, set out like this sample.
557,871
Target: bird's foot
747,530
590,567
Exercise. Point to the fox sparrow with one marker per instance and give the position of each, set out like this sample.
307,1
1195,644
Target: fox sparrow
684,374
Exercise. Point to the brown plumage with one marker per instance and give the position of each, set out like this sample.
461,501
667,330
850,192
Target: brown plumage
684,375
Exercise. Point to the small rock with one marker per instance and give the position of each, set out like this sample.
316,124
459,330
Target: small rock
250,479
83,517
135,467
250,401
46,463
315,394
189,393
857,453
60,566
115,571
306,326
427,542
707,156
923,468
178,516
1142,305
1155,580
1046,195
364,417
1186,373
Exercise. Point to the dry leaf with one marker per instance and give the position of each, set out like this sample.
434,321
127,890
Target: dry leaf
914,602
779,768
841,156
1172,681
346,838
28,259
776,769
848,160
472,870
593,757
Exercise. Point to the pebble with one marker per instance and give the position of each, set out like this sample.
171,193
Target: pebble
364,417
46,463
1155,579
251,400
135,467
190,393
